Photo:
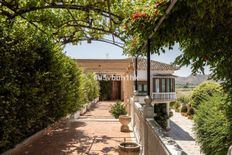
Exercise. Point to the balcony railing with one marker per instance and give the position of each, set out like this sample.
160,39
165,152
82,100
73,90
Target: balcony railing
164,96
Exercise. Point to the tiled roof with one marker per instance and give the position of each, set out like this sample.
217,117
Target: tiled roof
155,65
122,64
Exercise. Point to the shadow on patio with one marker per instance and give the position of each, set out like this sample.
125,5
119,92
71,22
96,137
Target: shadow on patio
76,137
177,133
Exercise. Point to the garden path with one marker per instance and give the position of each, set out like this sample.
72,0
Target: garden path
182,132
95,133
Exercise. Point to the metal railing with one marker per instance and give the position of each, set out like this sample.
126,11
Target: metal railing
164,96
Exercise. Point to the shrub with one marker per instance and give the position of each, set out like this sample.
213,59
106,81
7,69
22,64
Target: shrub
172,104
190,111
183,99
161,116
203,90
212,126
93,86
184,109
118,109
177,106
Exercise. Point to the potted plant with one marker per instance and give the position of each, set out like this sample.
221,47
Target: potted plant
118,110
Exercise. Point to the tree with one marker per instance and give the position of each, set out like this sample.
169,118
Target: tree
203,31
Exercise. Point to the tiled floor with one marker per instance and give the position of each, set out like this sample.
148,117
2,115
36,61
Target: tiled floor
79,136
181,131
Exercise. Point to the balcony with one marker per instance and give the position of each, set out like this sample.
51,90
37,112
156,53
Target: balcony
164,96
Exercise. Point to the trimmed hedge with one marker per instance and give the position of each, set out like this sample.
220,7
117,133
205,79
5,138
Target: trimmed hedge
38,84
212,125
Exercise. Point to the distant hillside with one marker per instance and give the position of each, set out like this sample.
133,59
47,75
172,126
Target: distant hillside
191,79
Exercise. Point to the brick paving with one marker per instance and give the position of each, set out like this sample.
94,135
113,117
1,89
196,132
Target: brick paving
81,137
182,132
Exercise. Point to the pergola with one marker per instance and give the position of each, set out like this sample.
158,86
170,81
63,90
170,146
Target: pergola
71,9
70,29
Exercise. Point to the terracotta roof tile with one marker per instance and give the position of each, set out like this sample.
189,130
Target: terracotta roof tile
155,65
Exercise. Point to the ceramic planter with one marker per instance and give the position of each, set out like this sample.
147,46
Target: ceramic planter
76,115
83,110
129,148
125,120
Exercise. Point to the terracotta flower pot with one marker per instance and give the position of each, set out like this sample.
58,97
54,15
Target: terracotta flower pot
125,120
129,148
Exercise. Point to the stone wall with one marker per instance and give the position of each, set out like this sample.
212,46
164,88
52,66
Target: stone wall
152,138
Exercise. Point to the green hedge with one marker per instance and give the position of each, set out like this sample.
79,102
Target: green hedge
202,91
213,125
38,84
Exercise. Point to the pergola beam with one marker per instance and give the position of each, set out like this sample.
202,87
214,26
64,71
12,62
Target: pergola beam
21,11
147,44
118,44
173,2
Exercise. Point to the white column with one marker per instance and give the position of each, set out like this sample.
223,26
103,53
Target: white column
148,112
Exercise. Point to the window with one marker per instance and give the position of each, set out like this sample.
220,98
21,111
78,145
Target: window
157,85
145,88
163,85
168,85
142,87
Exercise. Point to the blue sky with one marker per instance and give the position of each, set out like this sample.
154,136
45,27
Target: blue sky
100,50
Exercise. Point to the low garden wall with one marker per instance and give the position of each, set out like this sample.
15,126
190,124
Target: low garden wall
84,109
152,138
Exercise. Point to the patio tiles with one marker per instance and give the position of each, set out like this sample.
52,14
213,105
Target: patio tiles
80,137
182,132
100,111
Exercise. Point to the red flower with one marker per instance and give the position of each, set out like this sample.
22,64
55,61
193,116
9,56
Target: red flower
206,58
138,15
157,4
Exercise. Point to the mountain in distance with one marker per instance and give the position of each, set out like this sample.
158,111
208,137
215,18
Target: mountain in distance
192,79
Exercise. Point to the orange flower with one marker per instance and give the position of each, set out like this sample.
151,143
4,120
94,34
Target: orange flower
126,26
138,15
156,12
